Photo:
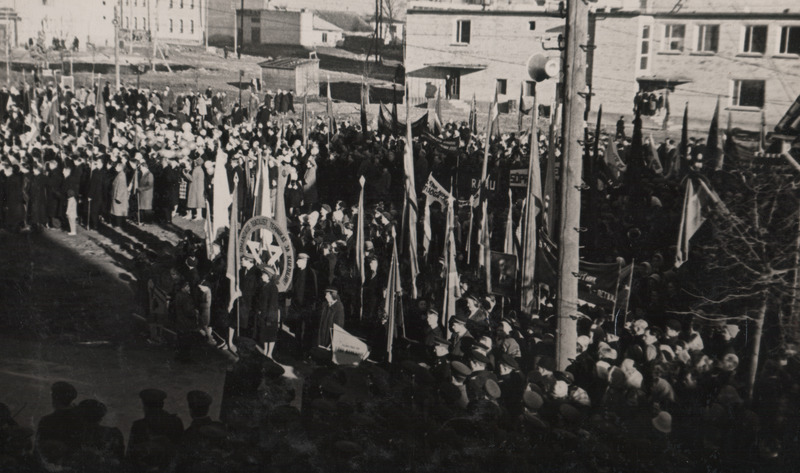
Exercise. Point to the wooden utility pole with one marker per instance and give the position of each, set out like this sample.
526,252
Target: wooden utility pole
235,32
8,49
205,22
116,43
241,22
577,29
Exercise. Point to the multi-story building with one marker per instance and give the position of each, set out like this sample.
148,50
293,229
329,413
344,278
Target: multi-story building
92,21
289,27
749,57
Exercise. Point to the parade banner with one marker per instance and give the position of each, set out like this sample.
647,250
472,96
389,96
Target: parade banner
518,178
598,283
444,144
346,349
386,127
435,191
504,274
268,243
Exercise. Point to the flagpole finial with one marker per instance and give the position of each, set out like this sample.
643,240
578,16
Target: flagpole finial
362,180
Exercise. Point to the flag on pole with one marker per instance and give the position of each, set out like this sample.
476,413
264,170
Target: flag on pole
209,233
101,117
280,202
360,256
427,233
347,349
394,106
614,164
305,120
683,147
521,107
411,201
651,154
393,289
232,271
452,288
509,245
364,95
263,193
329,110
473,116
665,124
729,148
698,201
54,121
762,137
715,157
222,194
550,176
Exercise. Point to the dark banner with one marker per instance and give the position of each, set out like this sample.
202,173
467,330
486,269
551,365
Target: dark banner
399,129
598,283
446,145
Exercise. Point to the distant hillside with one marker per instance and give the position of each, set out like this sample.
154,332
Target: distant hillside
350,22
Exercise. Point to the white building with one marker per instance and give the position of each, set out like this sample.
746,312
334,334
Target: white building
289,27
747,56
91,21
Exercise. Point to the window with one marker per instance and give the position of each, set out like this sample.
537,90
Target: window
170,26
755,39
531,25
135,23
191,26
501,86
181,3
127,22
790,40
530,88
644,51
673,37
708,38
171,3
748,93
324,37
181,31
144,23
191,5
463,31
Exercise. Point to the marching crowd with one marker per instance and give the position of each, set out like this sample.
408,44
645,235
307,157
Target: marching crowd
651,388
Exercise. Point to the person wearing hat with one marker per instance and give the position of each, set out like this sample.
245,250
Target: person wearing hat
195,197
432,330
511,382
458,325
119,196
96,197
478,363
196,441
478,317
266,308
459,373
332,313
144,198
302,296
61,427
153,439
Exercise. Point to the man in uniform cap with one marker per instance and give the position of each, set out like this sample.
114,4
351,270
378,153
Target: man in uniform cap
459,373
153,439
458,325
202,437
59,430
301,299
478,363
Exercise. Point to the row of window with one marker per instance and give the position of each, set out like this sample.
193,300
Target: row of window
171,25
172,3
745,93
753,38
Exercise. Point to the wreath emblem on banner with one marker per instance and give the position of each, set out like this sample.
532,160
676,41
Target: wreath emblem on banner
267,243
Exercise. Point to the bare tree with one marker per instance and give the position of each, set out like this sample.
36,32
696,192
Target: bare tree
751,255
392,11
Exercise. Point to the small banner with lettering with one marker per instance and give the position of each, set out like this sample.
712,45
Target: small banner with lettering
346,349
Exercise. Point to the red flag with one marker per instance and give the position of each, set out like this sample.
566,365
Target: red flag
232,272
280,202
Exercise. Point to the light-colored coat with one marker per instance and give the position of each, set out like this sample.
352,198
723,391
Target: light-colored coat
119,196
195,198
146,191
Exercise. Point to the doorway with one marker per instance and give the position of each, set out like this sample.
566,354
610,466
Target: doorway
453,85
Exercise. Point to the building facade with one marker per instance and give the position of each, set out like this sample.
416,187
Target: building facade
92,21
749,59
289,27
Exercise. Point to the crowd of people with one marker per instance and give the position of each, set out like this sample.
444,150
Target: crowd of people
651,389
